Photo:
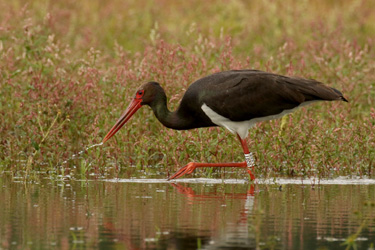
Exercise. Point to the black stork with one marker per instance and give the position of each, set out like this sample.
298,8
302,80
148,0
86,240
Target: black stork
235,99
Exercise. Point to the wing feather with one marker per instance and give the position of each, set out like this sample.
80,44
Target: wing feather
247,94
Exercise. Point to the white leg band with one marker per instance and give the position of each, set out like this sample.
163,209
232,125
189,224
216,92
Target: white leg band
250,161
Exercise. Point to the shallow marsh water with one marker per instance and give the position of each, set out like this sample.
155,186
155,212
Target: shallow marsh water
186,214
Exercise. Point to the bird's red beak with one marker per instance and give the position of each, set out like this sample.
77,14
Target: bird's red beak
129,112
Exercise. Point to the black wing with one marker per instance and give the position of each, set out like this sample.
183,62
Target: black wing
247,94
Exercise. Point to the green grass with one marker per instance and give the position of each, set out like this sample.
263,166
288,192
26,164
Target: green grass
70,68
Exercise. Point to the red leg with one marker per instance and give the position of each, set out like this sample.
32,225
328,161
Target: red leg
250,161
191,166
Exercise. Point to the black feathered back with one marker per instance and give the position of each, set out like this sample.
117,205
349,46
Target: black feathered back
246,94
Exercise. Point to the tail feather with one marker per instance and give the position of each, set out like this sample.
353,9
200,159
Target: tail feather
341,96
313,90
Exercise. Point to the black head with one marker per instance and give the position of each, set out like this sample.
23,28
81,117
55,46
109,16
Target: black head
149,92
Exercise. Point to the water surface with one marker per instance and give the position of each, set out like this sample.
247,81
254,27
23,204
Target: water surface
186,214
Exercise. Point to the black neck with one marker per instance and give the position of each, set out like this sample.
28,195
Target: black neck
174,120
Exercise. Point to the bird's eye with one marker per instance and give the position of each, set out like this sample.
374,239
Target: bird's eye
140,93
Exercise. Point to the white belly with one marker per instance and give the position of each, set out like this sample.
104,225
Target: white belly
242,128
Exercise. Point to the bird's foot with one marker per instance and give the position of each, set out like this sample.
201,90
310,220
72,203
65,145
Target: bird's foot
252,176
187,169
191,166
